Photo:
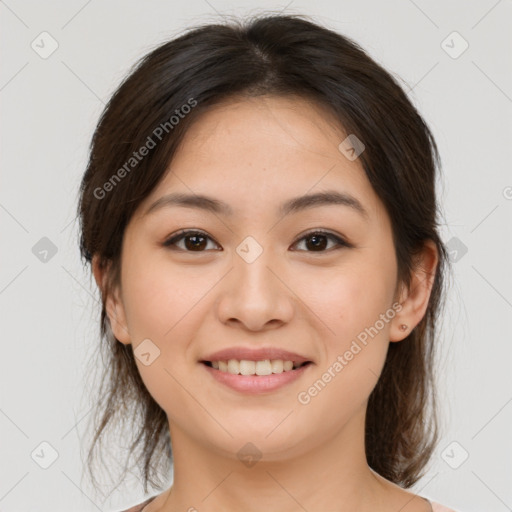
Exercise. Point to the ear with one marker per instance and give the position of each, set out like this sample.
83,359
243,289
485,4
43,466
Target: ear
113,302
414,300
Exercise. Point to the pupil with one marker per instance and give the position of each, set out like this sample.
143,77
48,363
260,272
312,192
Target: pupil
317,244
195,245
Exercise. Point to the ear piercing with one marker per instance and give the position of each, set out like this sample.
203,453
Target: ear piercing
403,327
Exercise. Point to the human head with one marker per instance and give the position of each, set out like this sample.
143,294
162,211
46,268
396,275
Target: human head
272,57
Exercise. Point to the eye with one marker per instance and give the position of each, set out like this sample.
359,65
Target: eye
195,241
319,240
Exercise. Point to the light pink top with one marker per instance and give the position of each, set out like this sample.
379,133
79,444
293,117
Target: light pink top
436,507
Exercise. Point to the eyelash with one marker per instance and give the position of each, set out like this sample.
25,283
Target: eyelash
184,233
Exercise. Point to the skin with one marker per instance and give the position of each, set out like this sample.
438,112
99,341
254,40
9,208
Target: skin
254,154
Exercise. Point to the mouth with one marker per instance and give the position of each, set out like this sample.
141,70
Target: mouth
255,368
256,377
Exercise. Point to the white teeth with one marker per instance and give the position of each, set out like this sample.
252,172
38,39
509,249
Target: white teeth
277,366
287,365
233,366
245,367
263,367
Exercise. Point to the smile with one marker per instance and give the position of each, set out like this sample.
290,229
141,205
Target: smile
243,376
246,367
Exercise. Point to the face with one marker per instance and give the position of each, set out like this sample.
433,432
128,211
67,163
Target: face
317,280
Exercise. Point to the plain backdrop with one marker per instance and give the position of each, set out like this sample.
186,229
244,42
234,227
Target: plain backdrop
62,60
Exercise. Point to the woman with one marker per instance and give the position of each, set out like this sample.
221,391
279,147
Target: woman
260,215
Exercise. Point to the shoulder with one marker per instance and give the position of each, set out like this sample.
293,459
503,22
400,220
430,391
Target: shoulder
437,507
140,506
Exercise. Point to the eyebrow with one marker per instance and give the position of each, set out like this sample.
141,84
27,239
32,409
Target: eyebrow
294,205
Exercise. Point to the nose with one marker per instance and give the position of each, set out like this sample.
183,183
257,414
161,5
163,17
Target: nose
255,295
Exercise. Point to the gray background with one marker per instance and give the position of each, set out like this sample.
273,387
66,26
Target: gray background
49,306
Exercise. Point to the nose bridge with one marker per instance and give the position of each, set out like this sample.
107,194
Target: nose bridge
252,271
253,294
254,276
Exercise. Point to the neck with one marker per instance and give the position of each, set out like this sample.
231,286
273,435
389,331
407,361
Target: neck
331,475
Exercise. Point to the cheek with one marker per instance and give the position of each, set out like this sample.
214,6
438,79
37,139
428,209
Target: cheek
158,295
351,298
162,305
355,354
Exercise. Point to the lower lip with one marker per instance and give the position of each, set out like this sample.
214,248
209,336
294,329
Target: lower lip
256,383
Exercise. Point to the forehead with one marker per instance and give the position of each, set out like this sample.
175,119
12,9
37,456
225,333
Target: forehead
256,151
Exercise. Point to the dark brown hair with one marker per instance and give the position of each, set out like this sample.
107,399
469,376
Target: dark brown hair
269,55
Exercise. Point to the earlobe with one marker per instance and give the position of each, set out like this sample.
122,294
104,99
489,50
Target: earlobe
113,303
414,300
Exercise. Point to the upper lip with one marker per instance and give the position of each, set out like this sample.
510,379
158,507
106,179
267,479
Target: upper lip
251,354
